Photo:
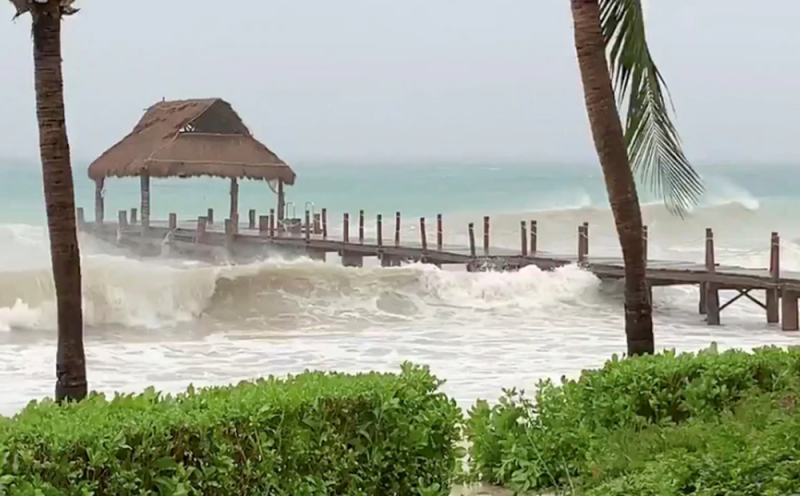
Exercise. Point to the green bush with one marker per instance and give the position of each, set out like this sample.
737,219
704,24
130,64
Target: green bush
561,438
312,434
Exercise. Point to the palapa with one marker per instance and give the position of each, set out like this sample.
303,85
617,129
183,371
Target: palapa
190,138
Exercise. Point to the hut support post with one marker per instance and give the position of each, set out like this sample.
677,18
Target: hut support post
281,200
99,206
145,206
234,214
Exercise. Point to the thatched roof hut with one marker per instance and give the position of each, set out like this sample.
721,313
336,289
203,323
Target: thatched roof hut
190,138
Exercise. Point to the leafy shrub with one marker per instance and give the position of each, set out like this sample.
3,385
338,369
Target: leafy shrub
558,439
312,434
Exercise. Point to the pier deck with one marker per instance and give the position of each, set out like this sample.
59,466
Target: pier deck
256,239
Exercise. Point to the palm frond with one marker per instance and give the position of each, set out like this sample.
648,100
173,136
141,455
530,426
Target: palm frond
654,147
24,6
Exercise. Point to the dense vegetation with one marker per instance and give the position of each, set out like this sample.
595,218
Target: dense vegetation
315,433
705,424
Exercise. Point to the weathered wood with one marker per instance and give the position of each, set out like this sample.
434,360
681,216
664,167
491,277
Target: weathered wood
581,244
471,239
712,289
361,226
99,202
230,233
122,218
251,218
346,227
79,216
379,228
234,198
644,240
210,216
324,223
173,221
145,184
773,295
534,236
486,229
790,320
397,229
263,225
422,236
200,231
308,226
272,222
439,232
134,221
585,240
523,232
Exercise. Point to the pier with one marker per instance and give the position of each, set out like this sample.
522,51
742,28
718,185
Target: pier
265,235
206,137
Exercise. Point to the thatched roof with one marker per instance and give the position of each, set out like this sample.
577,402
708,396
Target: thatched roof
187,138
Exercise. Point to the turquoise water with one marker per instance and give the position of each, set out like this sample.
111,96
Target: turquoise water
415,188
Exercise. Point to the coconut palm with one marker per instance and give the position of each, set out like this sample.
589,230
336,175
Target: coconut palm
649,145
58,191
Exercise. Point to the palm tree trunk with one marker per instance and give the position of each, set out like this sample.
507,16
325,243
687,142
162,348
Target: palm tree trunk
60,200
609,142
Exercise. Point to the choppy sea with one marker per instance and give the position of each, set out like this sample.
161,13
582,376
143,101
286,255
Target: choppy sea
166,323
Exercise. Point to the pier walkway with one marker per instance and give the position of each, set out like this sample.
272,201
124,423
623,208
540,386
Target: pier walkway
262,236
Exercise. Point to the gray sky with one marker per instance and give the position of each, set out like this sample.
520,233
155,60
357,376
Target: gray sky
365,79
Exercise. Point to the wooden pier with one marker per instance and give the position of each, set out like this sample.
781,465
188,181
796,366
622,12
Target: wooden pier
264,235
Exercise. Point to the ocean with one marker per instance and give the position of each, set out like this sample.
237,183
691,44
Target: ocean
167,324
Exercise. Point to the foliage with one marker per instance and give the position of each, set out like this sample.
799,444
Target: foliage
619,424
654,147
312,434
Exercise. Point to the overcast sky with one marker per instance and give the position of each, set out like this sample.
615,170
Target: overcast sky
367,79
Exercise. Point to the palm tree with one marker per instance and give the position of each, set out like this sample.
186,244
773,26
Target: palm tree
59,192
649,146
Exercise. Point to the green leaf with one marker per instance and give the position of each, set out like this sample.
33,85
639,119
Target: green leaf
654,147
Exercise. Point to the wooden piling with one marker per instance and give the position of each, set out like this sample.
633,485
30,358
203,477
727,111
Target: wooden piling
173,221
263,225
534,236
122,218
210,216
99,202
308,226
586,240
422,236
379,227
397,229
145,185
324,223
486,228
272,223
789,311
346,228
439,232
79,216
711,289
133,216
361,226
581,244
523,233
471,239
200,232
773,295
644,241
251,218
